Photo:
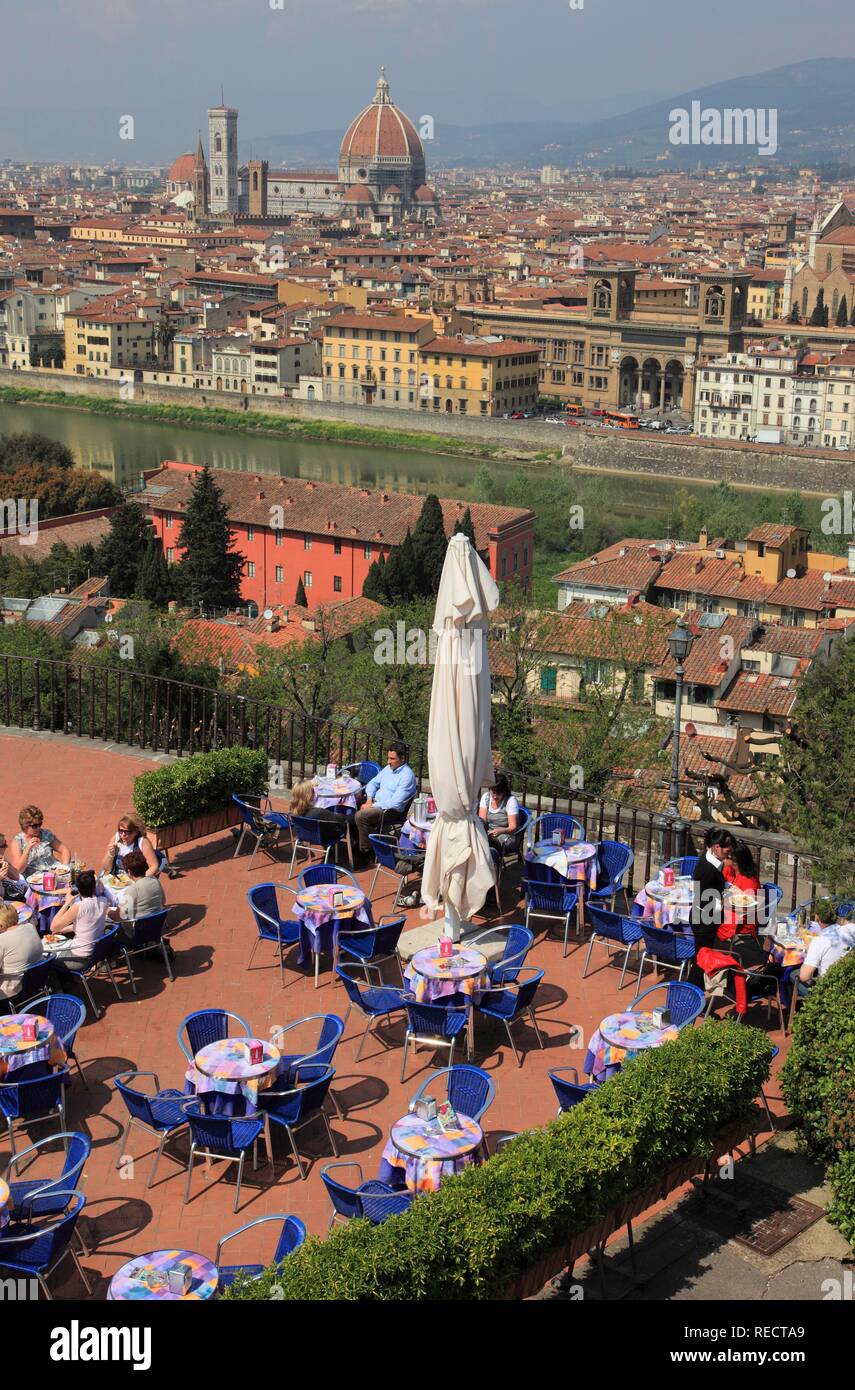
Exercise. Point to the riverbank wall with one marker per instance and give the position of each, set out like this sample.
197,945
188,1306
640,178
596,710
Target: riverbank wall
775,467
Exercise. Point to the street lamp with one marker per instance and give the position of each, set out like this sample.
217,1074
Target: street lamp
679,645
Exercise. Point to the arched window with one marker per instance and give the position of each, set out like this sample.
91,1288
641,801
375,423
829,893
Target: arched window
804,301
798,405
828,261
602,297
218,144
714,302
255,180
448,383
835,303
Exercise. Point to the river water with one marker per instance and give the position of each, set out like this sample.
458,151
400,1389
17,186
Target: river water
121,448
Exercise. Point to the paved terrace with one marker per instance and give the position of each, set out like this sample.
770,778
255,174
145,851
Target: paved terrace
83,788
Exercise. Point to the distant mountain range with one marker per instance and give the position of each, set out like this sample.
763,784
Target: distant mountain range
814,101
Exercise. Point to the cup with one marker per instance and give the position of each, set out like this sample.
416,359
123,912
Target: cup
331,770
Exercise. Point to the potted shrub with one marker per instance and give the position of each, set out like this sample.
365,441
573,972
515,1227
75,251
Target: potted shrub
193,797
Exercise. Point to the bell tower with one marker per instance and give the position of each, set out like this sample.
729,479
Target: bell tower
611,292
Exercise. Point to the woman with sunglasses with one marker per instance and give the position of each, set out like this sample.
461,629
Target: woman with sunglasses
130,837
34,848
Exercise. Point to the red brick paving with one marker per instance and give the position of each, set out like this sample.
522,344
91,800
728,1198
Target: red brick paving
83,790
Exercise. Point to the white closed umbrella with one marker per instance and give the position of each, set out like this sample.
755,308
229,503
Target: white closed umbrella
458,866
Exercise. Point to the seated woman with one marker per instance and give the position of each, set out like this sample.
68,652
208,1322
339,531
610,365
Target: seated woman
13,888
740,871
500,812
34,848
303,804
84,919
20,946
130,838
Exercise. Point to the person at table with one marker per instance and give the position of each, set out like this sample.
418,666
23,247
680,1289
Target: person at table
709,883
835,939
144,896
500,812
130,838
20,946
13,888
391,790
740,871
84,919
304,803
34,848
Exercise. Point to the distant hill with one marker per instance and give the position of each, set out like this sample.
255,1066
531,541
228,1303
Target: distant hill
815,101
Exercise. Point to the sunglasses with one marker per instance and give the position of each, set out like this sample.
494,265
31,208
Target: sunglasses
124,830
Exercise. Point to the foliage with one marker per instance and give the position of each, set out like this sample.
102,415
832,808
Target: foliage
18,450
374,586
210,570
812,780
464,526
429,546
819,1083
842,314
492,1222
120,555
203,782
154,581
62,567
61,491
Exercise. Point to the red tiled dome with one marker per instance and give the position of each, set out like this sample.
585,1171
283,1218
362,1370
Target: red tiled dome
381,131
358,194
182,169
425,194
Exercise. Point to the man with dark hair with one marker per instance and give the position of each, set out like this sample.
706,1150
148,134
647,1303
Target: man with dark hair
709,886
391,790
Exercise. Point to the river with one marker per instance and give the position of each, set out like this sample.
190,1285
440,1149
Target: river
122,448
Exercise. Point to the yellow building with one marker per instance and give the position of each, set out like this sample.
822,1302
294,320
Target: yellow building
100,341
374,359
467,375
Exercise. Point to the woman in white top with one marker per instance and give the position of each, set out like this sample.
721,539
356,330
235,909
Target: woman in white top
500,811
84,919
20,946
129,836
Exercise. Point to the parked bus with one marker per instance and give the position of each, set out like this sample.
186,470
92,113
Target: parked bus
622,420
573,410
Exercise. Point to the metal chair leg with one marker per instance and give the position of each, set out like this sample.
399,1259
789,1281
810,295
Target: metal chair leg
85,983
189,1173
331,1135
166,960
239,843
80,1271
535,1027
124,1141
293,857
299,1161
239,1176
512,1043
404,1058
364,1036
588,956
163,1138
130,971
112,979
317,966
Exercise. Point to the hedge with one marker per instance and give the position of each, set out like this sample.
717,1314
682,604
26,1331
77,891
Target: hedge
194,785
490,1223
819,1084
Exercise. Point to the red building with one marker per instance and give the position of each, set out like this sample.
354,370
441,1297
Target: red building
326,534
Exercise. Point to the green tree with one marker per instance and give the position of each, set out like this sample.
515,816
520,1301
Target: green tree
300,597
464,526
154,582
401,572
375,581
794,315
210,570
429,543
792,509
819,317
61,491
842,313
18,450
120,555
810,785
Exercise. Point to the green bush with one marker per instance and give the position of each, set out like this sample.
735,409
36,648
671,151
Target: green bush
819,1084
203,782
492,1222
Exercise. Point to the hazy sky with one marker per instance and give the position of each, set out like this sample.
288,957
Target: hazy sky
72,68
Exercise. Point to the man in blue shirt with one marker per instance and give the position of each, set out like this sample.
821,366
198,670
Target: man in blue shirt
391,790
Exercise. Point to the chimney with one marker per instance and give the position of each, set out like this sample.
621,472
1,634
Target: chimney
273,624
259,497
384,497
697,566
310,487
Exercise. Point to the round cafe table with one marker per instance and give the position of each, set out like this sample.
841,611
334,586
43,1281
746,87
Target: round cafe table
575,860
5,1198
321,921
127,1283
337,793
415,833
668,907
431,976
223,1073
420,1158
791,950
16,1051
47,905
621,1037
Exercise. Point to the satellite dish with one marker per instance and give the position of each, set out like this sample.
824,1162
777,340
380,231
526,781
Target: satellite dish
827,576
268,614
791,574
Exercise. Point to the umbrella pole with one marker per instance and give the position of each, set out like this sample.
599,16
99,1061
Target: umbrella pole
453,923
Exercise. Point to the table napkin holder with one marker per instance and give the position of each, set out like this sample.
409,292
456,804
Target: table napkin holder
179,1277
558,838
661,1017
426,1109
446,947
256,1052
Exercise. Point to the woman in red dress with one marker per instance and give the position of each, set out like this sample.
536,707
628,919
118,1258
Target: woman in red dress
740,871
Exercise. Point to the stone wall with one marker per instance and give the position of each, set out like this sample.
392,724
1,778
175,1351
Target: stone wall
773,466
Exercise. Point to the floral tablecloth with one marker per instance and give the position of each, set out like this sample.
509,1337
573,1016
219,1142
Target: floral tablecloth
420,1158
792,951
223,1068
622,1036
153,1266
415,834
17,1052
337,793
576,860
5,1198
320,921
429,979
46,905
667,907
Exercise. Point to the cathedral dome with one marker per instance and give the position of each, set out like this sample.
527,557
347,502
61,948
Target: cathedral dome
182,169
381,135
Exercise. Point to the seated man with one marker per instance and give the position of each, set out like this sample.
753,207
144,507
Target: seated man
391,790
144,896
827,948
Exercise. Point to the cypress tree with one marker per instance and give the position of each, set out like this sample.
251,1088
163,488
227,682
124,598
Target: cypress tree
401,571
375,581
300,597
210,570
816,318
154,583
429,543
464,526
843,313
795,315
120,554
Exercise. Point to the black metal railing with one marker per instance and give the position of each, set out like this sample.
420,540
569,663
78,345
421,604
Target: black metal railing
112,705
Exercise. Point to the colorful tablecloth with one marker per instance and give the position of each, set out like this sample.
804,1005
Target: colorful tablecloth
337,793
429,979
124,1285
320,921
46,905
667,907
5,1198
17,1052
422,1158
113,888
224,1068
415,833
622,1036
574,860
793,950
